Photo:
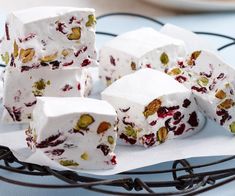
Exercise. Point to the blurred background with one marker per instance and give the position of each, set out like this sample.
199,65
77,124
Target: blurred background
146,7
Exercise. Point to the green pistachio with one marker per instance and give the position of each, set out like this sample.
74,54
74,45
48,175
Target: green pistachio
164,58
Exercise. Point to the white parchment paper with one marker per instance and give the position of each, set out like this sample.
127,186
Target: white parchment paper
213,140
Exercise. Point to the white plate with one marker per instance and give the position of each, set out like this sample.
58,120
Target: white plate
197,5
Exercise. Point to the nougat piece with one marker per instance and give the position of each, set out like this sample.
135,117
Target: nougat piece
192,40
75,132
142,48
213,83
20,89
152,107
53,37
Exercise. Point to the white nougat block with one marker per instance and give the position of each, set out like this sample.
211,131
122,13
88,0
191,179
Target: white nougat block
152,107
192,41
55,37
213,83
142,48
21,89
75,132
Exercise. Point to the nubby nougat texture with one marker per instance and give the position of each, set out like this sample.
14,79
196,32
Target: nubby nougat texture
75,132
213,83
142,48
46,51
152,107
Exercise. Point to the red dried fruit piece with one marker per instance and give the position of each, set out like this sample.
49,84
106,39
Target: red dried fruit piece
149,140
152,107
67,87
180,130
55,152
225,116
103,127
79,86
113,160
181,79
15,113
167,125
124,110
199,89
27,38
67,64
60,27
82,50
7,31
50,141
85,62
55,64
154,122
112,60
220,76
127,139
186,103
166,111
29,104
104,148
193,120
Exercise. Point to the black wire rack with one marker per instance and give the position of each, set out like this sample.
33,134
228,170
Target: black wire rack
184,177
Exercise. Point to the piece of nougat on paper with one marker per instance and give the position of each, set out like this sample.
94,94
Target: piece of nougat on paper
75,132
152,107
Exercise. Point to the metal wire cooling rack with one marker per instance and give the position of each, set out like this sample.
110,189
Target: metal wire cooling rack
190,182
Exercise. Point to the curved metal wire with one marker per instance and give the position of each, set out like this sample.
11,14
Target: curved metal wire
189,183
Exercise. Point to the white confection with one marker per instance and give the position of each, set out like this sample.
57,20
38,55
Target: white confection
22,88
50,43
192,41
213,83
77,132
42,35
137,49
152,107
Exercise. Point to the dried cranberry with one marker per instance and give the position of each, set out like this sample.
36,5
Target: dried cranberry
181,79
113,160
82,50
7,31
55,64
60,27
212,86
225,116
153,123
148,65
149,139
193,120
72,19
124,110
205,74
177,115
67,87
79,86
186,103
220,76
50,141
112,60
67,64
181,64
55,152
199,89
104,148
180,129
85,62
166,111
129,140
167,125
44,64
27,38
30,103
127,123
12,63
